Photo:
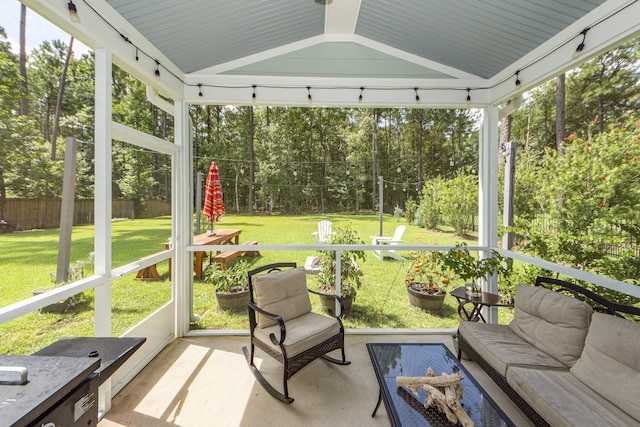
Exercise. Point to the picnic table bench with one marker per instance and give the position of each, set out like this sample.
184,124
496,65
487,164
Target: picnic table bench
227,256
150,272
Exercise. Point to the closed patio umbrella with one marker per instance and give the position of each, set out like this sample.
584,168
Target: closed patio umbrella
213,204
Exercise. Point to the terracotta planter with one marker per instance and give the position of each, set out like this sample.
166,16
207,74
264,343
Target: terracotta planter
328,302
429,302
233,301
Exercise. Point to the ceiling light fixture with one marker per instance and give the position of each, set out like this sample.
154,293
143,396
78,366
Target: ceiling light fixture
73,12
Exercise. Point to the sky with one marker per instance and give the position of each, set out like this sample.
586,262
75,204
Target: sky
38,29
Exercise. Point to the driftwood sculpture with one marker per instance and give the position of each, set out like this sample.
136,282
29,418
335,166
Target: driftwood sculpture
444,392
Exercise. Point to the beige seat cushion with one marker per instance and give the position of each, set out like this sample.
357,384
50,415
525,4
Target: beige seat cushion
283,293
502,348
555,323
302,332
610,361
563,400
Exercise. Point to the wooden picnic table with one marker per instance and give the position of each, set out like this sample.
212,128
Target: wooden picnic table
222,236
219,237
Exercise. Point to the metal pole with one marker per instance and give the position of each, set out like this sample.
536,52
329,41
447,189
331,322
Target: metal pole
380,201
509,179
198,200
66,210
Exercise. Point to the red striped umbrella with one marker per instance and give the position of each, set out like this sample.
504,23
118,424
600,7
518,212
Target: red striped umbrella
213,204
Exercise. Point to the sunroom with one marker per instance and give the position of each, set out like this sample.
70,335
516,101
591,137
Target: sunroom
322,53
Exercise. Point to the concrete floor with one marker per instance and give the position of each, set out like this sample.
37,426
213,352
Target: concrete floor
205,381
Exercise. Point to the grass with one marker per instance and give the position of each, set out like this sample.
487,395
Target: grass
28,258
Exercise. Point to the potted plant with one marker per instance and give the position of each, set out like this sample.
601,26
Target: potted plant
471,268
425,281
232,286
350,273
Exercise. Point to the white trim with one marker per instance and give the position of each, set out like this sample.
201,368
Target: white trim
605,282
23,307
556,55
182,201
341,17
94,32
103,191
142,139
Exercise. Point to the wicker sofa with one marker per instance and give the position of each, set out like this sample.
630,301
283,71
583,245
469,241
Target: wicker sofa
562,363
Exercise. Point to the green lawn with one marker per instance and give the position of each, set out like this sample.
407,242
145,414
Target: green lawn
28,259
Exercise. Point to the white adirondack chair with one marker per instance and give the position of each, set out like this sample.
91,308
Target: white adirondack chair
324,232
389,241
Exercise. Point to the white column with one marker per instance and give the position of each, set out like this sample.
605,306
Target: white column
488,194
182,212
102,202
102,190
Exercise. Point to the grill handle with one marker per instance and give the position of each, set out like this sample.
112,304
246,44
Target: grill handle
20,370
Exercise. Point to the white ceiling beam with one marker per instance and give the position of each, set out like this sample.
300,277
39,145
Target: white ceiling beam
292,91
410,57
96,29
341,16
557,55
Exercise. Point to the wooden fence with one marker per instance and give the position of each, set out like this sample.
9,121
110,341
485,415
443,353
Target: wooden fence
28,214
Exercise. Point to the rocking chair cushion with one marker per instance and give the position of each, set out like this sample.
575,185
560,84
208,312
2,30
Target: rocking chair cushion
283,293
303,333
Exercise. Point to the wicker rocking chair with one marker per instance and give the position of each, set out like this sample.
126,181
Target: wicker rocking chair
282,324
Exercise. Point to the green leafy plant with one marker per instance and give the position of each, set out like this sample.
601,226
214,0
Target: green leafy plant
234,279
425,274
469,267
350,273
410,207
398,213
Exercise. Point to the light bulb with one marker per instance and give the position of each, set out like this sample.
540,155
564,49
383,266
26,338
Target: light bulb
73,12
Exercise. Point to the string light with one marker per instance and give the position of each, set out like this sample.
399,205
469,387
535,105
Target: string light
253,95
361,90
580,47
468,95
199,89
309,93
73,12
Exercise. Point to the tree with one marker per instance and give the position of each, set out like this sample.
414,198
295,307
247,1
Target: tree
56,120
24,101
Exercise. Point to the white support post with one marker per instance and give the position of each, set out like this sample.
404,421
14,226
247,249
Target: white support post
102,202
102,196
488,195
182,214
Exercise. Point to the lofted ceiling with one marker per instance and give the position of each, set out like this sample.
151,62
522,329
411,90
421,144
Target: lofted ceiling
228,51
381,38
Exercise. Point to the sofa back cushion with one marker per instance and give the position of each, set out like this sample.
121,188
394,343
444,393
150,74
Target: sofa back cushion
552,322
283,293
610,361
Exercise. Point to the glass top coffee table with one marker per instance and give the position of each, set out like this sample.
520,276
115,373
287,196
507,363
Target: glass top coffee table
404,408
